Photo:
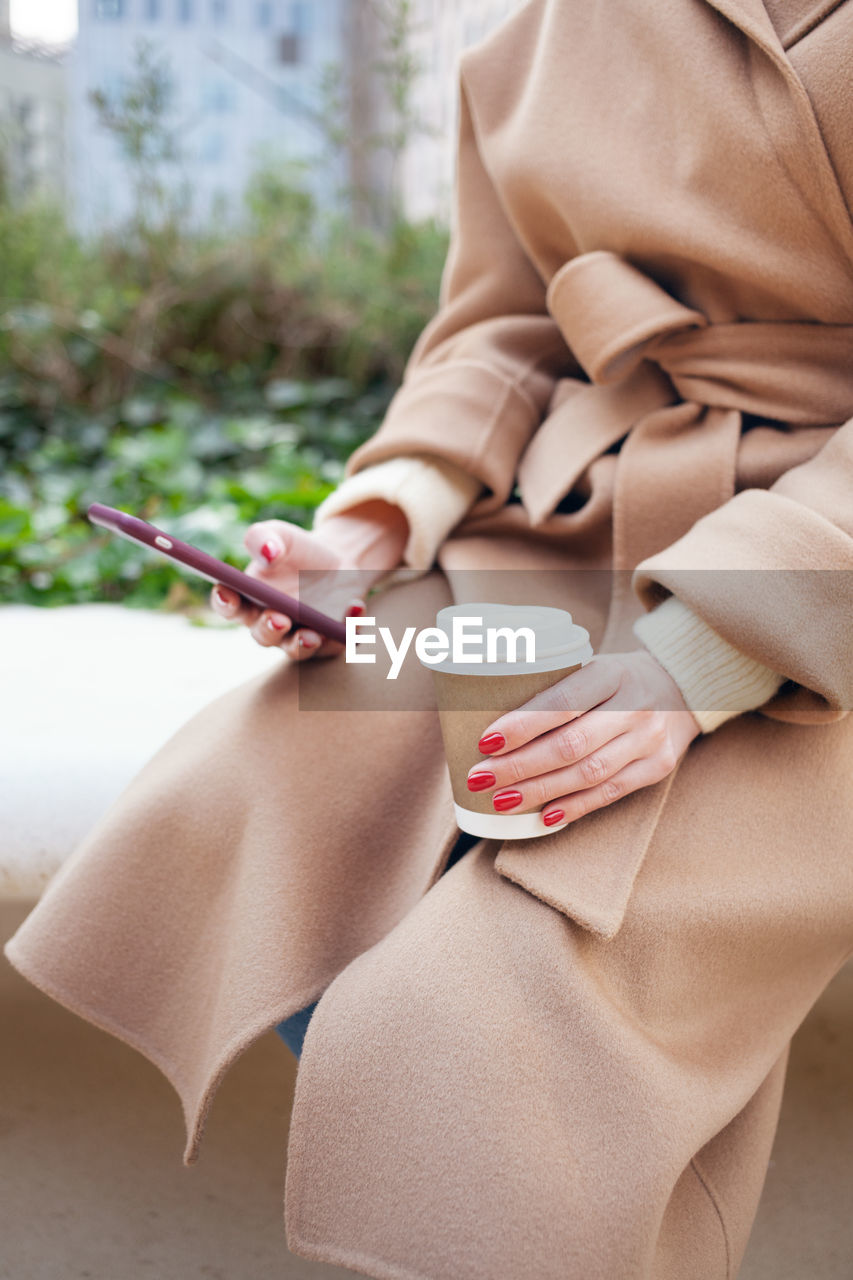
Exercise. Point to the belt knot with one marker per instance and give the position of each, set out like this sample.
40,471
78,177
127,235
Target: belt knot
613,317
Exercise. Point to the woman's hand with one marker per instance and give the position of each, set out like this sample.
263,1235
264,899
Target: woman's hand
618,724
347,554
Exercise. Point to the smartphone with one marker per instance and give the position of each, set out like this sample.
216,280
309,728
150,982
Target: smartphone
199,562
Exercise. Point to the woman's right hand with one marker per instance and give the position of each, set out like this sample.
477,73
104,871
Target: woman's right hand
347,553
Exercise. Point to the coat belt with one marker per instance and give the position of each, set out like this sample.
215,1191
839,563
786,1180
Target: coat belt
676,386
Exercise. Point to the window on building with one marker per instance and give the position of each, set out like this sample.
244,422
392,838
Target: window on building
213,148
185,10
291,45
300,18
218,94
109,8
263,14
289,49
219,10
111,83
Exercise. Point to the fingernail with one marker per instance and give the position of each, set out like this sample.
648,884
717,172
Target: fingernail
222,598
276,622
355,611
552,817
309,639
507,800
481,781
271,549
491,742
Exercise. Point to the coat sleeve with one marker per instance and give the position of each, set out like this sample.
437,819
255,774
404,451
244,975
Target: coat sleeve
482,373
771,572
432,493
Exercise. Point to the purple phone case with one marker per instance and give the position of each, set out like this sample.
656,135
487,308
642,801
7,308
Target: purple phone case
214,570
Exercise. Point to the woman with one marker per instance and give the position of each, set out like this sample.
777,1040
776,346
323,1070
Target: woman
566,1055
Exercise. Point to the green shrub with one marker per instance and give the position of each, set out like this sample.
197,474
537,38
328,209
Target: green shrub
202,474
204,381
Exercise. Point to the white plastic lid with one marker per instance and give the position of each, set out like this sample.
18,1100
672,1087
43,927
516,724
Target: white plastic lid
557,641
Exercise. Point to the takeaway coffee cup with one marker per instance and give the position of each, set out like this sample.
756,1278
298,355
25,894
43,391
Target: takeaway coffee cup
486,675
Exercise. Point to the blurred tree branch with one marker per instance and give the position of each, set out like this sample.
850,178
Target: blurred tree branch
141,118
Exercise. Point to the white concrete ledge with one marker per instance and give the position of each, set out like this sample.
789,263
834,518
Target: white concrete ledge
88,693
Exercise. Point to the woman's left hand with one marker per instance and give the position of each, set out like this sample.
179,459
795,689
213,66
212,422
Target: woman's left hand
617,724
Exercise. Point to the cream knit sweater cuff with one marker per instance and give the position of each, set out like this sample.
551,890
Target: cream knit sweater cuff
433,494
716,680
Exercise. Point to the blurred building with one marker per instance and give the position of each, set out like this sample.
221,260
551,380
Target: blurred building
32,115
247,75
441,30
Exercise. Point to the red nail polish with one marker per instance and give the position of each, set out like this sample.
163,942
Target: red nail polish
507,800
220,596
269,551
355,610
491,742
481,781
553,817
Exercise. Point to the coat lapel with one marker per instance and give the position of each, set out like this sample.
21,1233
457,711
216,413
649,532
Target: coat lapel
791,120
751,17
587,871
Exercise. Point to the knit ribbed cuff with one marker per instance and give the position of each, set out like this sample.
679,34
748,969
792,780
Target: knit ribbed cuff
716,680
433,494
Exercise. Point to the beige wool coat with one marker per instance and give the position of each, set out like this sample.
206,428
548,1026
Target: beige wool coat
563,1058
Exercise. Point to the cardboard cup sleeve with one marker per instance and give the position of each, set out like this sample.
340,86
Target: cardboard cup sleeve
472,695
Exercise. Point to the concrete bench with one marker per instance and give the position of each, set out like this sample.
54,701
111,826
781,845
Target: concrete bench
87,694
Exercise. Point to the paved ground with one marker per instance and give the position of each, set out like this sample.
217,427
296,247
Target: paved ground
91,1136
93,1186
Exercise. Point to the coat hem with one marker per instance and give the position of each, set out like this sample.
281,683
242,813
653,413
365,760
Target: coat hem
364,1263
195,1121
714,1200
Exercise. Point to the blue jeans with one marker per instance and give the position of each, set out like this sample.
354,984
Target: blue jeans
292,1030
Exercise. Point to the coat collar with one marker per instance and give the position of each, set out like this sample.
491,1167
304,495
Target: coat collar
752,18
818,178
